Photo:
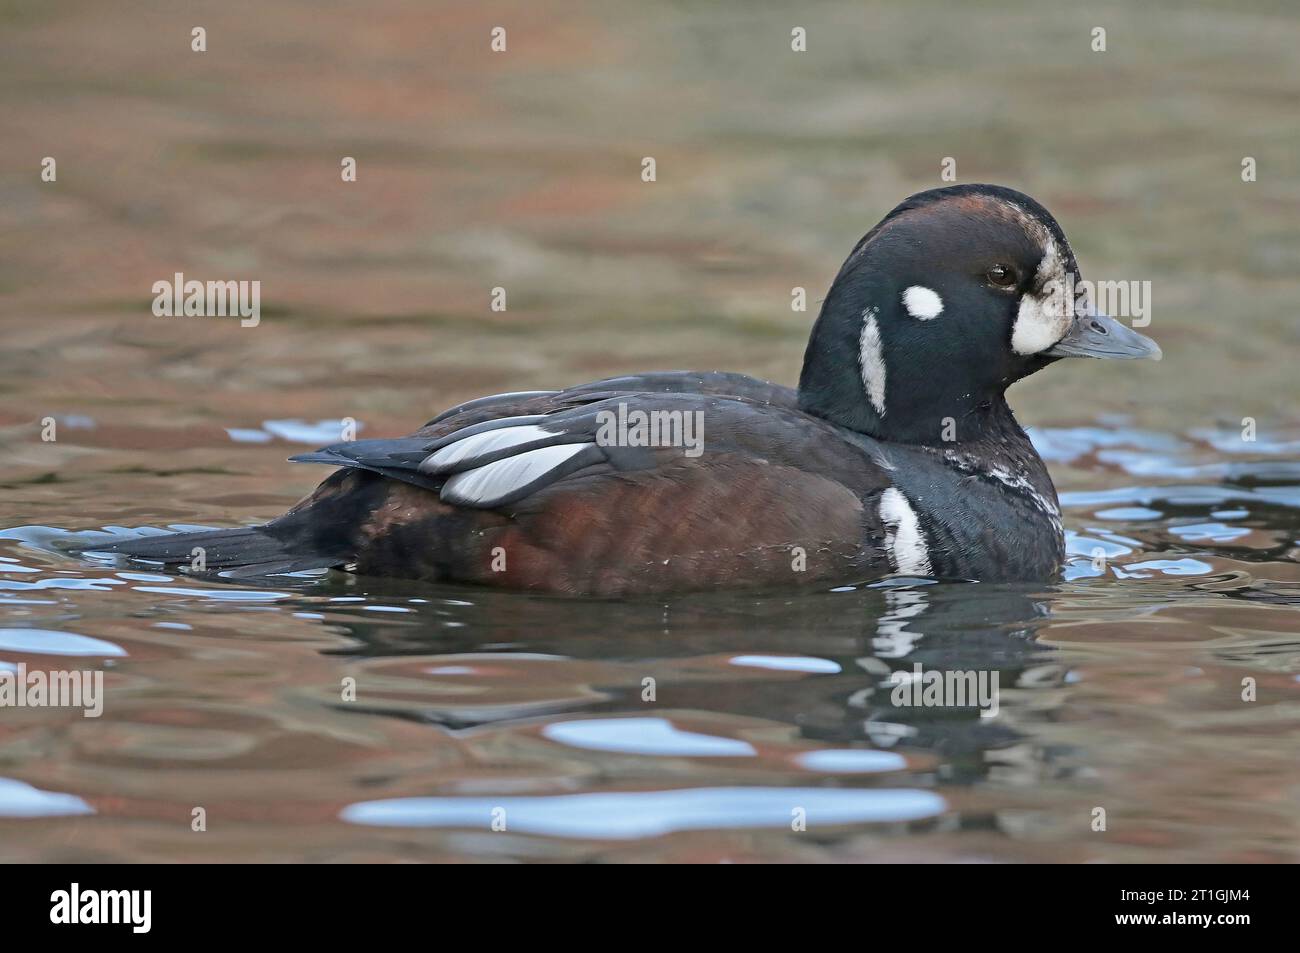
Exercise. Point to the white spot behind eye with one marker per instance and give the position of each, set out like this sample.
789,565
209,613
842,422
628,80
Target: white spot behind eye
872,358
922,303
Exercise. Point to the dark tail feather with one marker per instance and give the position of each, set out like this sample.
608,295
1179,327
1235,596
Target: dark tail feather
319,533
252,549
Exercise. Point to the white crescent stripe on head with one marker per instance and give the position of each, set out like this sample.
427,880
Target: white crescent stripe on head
872,359
922,303
903,536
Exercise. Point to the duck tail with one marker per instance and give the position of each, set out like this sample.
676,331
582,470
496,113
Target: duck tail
320,532
254,550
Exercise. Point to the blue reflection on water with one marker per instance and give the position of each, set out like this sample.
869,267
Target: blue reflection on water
53,642
851,761
20,799
650,736
625,815
788,663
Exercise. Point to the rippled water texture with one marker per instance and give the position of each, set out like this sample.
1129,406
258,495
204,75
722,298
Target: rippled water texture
1120,688
341,718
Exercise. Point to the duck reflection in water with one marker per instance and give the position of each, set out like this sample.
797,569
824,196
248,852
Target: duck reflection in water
834,661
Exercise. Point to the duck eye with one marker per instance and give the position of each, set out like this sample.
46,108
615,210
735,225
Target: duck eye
1002,276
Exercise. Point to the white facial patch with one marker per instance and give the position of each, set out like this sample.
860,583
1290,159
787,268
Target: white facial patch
872,361
922,303
1044,317
903,536
1040,323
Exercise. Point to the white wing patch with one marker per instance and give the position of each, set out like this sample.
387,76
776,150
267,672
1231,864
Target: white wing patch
483,444
494,483
872,358
903,536
924,304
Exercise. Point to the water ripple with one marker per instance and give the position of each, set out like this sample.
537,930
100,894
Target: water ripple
625,815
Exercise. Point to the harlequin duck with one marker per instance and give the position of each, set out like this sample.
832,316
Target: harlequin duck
896,455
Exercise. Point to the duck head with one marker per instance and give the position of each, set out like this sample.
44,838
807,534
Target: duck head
957,294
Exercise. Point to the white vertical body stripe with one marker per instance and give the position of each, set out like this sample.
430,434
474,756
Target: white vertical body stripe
903,535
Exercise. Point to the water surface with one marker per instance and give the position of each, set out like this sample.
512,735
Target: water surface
1121,687
697,728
